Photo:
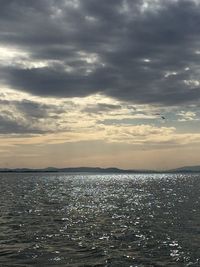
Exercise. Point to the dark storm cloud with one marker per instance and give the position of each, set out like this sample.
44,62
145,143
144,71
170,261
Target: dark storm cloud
112,47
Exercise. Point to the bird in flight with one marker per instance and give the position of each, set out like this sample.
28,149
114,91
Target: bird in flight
161,116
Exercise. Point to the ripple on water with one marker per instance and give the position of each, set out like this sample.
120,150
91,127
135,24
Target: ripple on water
99,220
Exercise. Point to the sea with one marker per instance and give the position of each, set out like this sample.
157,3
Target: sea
84,219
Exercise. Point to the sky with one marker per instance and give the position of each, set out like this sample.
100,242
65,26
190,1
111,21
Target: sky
99,83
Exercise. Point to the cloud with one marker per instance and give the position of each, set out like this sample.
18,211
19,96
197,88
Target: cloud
139,51
101,108
11,125
31,117
187,116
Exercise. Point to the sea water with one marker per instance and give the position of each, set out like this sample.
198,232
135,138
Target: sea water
59,219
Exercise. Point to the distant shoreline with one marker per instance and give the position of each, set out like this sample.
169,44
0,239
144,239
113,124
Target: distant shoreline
192,169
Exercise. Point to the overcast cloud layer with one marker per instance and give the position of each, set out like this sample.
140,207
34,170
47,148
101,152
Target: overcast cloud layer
140,51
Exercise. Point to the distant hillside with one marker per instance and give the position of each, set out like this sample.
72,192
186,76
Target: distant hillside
187,169
101,170
76,169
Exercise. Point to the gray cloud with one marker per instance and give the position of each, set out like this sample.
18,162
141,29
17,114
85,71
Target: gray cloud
37,110
101,107
12,126
30,117
111,47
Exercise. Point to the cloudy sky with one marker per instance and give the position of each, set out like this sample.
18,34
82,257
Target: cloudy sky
99,83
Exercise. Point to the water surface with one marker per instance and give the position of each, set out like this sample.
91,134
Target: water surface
113,220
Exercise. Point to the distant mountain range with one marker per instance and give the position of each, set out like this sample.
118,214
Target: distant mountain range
75,169
101,170
187,169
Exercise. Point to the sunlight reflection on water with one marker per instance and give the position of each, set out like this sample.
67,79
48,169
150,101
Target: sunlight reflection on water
99,220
